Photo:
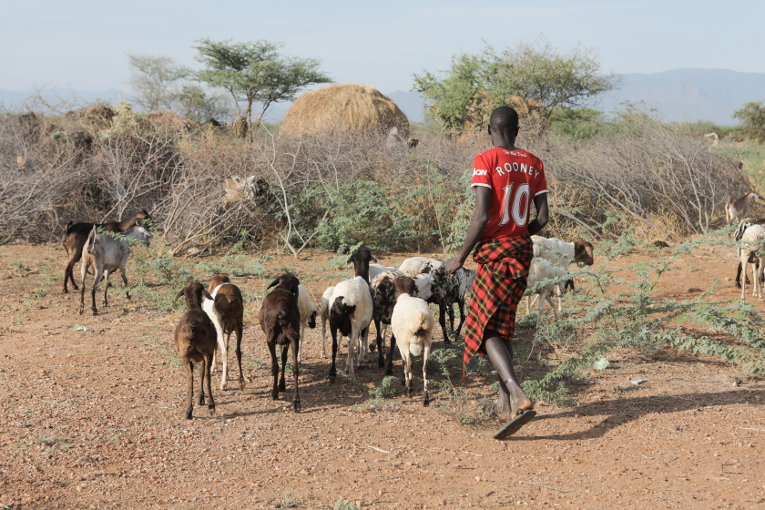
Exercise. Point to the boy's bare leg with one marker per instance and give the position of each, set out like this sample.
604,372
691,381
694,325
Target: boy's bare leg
500,355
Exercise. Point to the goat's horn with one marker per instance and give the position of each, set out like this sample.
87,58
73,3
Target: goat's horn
273,283
207,295
349,259
176,297
372,257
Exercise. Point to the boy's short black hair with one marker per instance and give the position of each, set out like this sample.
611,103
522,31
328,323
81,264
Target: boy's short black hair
504,118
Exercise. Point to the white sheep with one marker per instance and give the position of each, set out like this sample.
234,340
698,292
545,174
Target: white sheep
351,313
412,266
412,324
107,254
753,244
375,269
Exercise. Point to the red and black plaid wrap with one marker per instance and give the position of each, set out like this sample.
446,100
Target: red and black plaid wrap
500,282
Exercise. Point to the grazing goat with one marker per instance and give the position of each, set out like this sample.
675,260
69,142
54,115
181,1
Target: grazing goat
412,324
106,255
738,207
561,254
195,340
226,311
280,321
742,226
77,233
350,311
308,313
753,243
540,271
324,314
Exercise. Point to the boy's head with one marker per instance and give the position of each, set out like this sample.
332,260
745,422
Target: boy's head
503,124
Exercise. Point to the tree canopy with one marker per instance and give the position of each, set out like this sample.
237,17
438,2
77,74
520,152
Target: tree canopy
752,117
475,84
256,71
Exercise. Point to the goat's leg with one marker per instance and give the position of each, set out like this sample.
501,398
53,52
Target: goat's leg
285,352
242,379
105,301
542,300
82,291
125,283
188,366
363,348
223,344
332,369
323,336
96,279
300,344
202,383
407,357
552,305
425,354
759,275
274,369
744,261
559,293
389,370
442,321
450,311
296,373
379,342
352,341
69,271
206,374
461,305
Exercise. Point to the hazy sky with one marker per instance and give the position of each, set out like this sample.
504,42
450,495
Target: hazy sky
82,44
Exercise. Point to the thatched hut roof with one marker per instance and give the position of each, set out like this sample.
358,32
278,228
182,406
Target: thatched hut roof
350,106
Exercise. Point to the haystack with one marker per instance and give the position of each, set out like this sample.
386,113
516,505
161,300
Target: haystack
351,107
95,117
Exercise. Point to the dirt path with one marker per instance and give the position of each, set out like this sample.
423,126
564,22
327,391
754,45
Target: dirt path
94,419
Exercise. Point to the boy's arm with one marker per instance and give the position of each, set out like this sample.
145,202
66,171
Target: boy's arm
540,202
476,229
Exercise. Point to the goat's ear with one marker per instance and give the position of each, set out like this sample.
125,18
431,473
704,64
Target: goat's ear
372,257
207,295
273,283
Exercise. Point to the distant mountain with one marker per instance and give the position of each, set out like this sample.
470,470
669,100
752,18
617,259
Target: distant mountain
13,98
689,94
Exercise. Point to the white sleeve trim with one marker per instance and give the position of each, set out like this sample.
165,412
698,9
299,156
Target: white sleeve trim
540,192
480,184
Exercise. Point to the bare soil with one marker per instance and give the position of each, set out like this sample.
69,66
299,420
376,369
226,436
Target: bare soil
95,419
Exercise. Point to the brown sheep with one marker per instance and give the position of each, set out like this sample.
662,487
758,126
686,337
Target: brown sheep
226,311
280,321
195,340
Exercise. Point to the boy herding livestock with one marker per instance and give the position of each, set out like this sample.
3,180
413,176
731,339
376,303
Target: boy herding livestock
505,179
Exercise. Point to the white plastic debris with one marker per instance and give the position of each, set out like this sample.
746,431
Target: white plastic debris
638,380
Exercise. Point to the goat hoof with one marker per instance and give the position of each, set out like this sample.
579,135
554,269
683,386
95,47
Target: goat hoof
275,394
201,400
189,414
296,405
372,347
447,341
242,385
426,403
389,371
95,312
282,387
81,310
332,379
380,364
212,410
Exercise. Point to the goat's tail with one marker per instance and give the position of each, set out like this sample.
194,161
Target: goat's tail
222,304
729,201
66,231
187,330
90,243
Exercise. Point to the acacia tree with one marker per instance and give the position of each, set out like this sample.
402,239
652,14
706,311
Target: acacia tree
256,71
475,84
155,80
752,116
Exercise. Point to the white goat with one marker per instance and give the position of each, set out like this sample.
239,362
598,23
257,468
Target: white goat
107,254
539,271
412,324
753,244
412,266
561,254
351,313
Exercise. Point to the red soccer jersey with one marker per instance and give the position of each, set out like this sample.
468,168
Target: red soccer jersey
515,178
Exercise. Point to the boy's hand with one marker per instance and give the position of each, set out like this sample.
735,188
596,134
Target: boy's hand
452,266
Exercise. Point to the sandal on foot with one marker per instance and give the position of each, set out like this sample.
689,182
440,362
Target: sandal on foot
514,425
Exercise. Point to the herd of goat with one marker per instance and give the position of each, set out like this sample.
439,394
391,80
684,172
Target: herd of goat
390,297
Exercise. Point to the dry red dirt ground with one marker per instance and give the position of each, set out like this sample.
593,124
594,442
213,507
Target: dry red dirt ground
94,419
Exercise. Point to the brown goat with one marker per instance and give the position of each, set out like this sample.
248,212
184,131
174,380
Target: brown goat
226,311
77,233
280,321
195,339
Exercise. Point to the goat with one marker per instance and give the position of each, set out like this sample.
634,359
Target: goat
738,207
77,233
324,314
561,254
742,226
350,311
375,269
106,255
280,321
226,311
308,313
412,324
540,271
753,243
195,340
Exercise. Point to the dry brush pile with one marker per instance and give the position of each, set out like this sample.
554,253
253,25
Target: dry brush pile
333,189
